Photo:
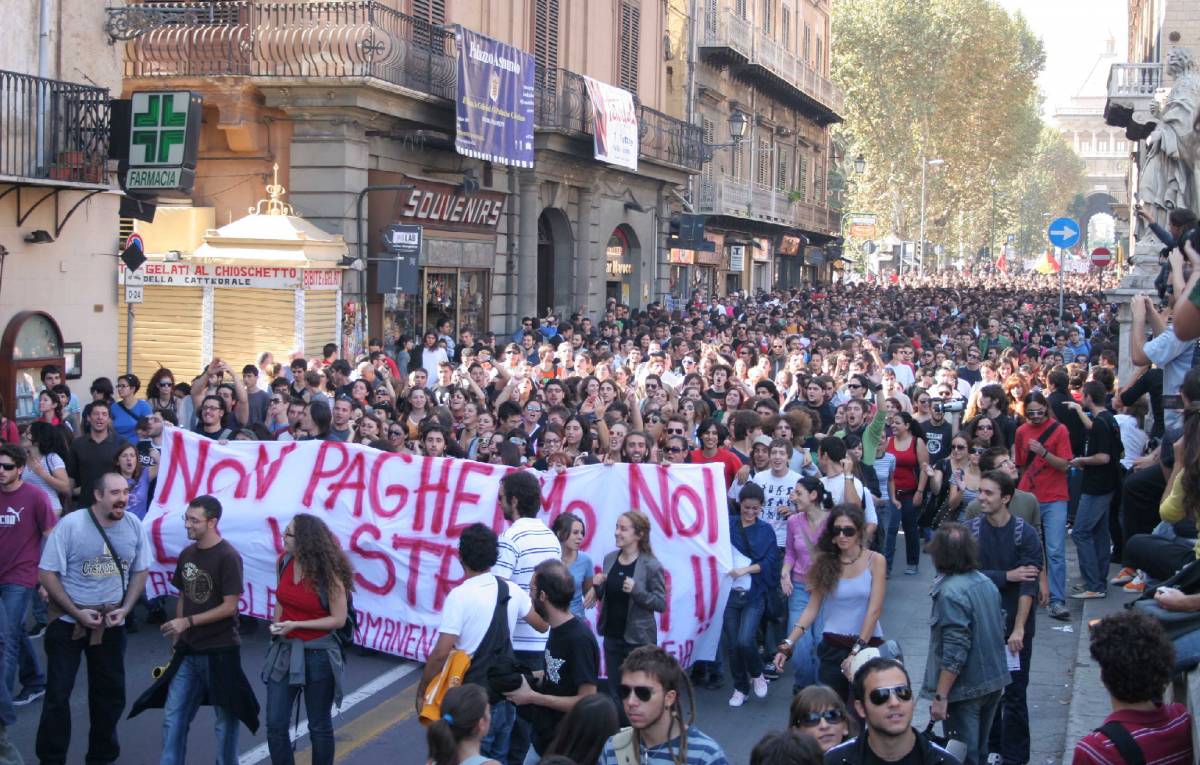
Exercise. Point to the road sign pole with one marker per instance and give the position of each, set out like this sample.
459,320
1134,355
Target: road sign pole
129,338
1062,268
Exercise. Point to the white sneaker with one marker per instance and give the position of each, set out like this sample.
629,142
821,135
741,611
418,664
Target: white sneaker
760,686
737,699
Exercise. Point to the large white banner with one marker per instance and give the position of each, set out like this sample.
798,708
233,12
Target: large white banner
399,518
614,124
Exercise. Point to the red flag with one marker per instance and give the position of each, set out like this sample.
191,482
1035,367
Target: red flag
1002,262
1055,266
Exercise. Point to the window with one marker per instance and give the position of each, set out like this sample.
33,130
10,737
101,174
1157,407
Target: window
785,28
545,44
737,160
739,7
820,66
706,172
782,168
433,11
807,52
627,45
802,180
762,170
766,17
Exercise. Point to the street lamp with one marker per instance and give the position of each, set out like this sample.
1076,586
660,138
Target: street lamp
860,164
925,163
737,125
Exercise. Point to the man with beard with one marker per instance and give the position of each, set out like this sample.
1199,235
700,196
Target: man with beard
572,654
92,453
93,567
207,660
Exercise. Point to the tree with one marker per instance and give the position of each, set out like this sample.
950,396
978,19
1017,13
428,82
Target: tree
1048,187
947,79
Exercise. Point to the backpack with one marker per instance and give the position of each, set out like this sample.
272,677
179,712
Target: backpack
344,634
495,652
1117,450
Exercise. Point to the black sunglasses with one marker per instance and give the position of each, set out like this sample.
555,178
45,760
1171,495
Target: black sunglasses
978,450
643,692
676,449
880,696
831,716
8,466
846,531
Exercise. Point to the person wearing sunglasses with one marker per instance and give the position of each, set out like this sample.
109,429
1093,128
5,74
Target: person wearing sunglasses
1043,451
967,668
883,698
818,711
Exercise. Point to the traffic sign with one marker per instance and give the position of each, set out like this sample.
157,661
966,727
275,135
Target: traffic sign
135,282
1064,233
1101,257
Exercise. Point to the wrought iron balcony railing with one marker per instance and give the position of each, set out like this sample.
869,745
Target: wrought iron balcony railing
314,40
52,131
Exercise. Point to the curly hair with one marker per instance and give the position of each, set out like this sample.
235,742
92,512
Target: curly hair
827,568
1135,655
320,555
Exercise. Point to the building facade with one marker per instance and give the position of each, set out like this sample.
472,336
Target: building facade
58,212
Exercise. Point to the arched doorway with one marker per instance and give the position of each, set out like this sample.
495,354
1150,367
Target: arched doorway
1099,223
623,266
554,276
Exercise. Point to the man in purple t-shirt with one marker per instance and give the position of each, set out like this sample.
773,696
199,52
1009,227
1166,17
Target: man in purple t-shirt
25,518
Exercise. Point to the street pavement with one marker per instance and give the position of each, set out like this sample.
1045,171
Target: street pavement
377,722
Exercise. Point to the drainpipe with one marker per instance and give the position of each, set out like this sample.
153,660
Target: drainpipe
44,54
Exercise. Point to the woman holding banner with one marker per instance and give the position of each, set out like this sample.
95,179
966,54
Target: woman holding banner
315,578
631,588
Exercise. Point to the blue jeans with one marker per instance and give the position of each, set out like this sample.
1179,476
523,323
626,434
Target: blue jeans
907,516
187,690
1187,649
18,650
1092,542
1054,532
970,721
804,653
740,630
8,715
495,743
318,705
1010,726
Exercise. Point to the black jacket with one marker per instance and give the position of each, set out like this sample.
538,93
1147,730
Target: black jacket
229,687
854,752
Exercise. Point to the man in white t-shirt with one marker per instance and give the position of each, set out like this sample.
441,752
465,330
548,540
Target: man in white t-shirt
836,476
467,615
777,483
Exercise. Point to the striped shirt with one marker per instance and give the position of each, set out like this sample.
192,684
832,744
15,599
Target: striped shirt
1164,734
523,546
701,750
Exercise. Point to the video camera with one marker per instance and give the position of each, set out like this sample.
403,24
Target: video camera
949,407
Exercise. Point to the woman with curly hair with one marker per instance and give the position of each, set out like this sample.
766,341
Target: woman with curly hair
315,579
847,579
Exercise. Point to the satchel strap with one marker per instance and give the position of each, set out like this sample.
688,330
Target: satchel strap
1123,741
111,551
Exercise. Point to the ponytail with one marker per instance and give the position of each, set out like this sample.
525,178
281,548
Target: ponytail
462,709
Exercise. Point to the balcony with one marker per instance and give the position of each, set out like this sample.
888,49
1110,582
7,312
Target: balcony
755,57
297,41
52,133
741,199
1131,92
562,105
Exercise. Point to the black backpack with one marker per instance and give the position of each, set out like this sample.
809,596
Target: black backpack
1117,449
344,634
494,656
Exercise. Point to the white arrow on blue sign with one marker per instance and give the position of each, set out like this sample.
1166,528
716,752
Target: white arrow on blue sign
1064,232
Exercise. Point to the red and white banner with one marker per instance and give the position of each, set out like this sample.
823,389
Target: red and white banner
399,518
615,124
159,273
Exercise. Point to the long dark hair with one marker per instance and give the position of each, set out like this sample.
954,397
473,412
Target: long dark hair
827,568
1189,477
49,439
662,666
585,729
320,555
462,709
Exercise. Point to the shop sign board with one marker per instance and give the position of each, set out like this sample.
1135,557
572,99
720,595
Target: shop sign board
677,256
162,274
443,206
164,138
494,102
762,251
615,124
863,226
737,257
711,258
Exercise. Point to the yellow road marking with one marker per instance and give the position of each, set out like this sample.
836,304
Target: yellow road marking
369,726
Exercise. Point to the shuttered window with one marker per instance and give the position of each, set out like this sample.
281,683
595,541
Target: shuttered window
320,321
782,170
545,44
785,28
706,172
807,52
247,322
710,18
802,179
629,30
739,7
167,331
433,11
766,17
762,172
820,67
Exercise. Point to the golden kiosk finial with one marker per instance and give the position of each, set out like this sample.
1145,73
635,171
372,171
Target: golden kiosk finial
275,205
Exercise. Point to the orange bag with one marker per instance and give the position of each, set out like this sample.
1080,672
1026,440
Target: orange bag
451,676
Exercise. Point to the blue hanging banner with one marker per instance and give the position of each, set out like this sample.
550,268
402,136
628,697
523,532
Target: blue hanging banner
494,103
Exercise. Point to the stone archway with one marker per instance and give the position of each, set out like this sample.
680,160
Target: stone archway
623,266
1099,223
556,246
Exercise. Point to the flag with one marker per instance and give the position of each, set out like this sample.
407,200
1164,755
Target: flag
1002,262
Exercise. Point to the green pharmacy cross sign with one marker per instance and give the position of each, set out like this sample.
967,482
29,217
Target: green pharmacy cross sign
164,133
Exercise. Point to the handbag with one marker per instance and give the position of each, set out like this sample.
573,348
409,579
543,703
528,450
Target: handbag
451,676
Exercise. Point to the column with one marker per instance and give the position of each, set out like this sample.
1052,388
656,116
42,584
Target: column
581,278
527,247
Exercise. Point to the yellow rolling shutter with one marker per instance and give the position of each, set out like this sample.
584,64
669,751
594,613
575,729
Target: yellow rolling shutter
247,322
320,321
167,332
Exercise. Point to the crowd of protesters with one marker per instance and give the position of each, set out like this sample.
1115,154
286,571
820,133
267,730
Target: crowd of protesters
972,419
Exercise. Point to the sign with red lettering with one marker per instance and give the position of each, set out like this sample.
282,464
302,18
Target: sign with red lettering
399,518
160,273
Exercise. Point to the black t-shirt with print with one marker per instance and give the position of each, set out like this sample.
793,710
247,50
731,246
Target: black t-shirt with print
572,660
204,578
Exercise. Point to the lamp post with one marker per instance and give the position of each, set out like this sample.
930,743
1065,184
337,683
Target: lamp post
925,163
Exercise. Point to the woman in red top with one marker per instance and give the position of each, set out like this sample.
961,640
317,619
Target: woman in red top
310,604
712,435
912,456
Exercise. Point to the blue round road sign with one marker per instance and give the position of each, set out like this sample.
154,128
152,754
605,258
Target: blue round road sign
1064,232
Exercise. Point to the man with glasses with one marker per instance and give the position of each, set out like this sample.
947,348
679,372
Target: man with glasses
1043,450
970,372
883,699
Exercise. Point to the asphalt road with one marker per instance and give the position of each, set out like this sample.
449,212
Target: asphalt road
377,721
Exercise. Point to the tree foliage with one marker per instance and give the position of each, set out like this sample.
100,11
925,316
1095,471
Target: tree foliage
947,79
1049,184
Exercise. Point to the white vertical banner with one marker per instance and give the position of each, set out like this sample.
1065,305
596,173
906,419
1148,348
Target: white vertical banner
614,124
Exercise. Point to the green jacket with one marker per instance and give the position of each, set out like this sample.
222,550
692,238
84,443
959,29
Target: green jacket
872,436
